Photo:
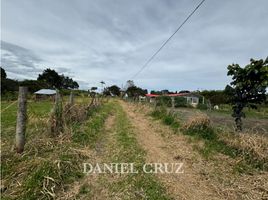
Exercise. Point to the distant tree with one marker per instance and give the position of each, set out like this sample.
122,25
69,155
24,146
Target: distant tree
54,80
8,85
68,83
248,87
3,73
184,91
112,90
75,85
156,92
130,83
216,97
51,77
33,85
165,92
135,91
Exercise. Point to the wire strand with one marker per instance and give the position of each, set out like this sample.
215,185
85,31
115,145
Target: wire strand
162,46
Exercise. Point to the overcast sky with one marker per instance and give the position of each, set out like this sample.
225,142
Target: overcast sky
94,40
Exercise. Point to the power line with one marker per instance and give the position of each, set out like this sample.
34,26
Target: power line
152,57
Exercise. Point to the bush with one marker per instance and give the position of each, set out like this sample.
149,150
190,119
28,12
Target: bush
200,127
9,96
164,101
180,102
202,106
159,112
167,118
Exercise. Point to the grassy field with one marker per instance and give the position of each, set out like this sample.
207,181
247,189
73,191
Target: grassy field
50,166
47,163
120,132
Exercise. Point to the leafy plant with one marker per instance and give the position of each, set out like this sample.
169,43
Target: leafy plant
248,87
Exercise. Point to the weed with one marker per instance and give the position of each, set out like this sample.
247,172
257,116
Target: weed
167,118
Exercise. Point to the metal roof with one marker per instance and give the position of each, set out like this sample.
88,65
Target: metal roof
46,91
174,95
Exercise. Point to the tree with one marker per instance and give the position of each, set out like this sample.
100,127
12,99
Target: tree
8,85
135,91
248,87
33,85
216,97
54,80
112,90
130,83
156,92
68,83
51,77
3,74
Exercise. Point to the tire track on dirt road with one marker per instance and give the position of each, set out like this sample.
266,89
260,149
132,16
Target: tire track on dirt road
189,185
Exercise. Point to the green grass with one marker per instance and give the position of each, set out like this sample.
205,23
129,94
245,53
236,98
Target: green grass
90,134
9,114
260,113
166,118
45,156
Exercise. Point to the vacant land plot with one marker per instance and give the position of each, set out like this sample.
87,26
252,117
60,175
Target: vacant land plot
121,132
256,122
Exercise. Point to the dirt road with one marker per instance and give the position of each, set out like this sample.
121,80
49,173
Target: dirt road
173,149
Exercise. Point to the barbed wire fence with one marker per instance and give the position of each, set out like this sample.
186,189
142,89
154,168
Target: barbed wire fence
62,115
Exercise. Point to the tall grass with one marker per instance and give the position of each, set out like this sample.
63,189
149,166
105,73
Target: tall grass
48,164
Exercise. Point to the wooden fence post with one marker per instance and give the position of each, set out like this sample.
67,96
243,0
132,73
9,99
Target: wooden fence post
21,119
56,117
71,98
172,103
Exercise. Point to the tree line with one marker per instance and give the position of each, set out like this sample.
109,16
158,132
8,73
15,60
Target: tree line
49,78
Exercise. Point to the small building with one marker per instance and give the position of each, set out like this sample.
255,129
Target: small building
151,97
192,99
45,94
142,98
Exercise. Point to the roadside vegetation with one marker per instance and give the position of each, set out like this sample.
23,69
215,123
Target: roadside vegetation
251,148
48,163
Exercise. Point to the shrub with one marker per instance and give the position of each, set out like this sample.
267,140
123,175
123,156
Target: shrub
164,101
202,106
180,102
159,112
200,127
167,118
9,96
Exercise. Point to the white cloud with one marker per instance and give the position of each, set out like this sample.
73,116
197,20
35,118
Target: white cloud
110,40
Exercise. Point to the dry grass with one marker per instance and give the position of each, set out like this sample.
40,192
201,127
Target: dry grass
199,122
75,113
250,144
